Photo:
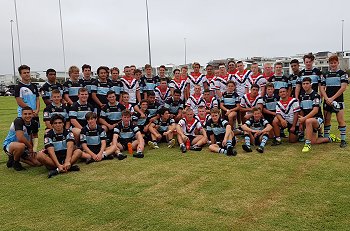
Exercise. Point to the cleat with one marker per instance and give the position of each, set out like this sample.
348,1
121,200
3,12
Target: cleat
343,144
52,173
283,135
276,142
153,145
334,138
171,143
301,139
74,168
138,155
231,151
10,162
89,161
306,148
109,157
18,166
183,148
120,156
247,148
260,149
195,148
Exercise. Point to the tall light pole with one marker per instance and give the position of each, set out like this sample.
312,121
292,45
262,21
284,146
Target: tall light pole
342,37
185,51
149,39
13,55
62,38
19,43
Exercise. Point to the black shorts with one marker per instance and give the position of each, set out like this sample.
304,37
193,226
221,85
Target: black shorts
296,129
328,108
124,143
269,118
60,158
191,138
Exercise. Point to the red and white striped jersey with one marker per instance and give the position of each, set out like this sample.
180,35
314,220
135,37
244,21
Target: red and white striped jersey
241,81
287,109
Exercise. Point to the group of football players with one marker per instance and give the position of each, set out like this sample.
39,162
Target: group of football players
99,119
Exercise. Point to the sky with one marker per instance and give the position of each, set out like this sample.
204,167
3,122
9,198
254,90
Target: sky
114,32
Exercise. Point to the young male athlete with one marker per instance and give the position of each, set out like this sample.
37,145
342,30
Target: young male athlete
162,91
59,154
148,82
21,142
162,129
310,116
50,85
256,77
196,78
131,86
115,82
279,80
56,107
175,105
126,132
333,85
230,103
72,86
287,112
294,65
220,134
195,100
178,83
256,130
250,101
87,80
186,130
100,87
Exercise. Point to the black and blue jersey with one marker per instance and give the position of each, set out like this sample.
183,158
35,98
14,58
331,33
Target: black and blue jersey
308,101
112,114
47,88
59,142
78,111
71,89
93,137
333,80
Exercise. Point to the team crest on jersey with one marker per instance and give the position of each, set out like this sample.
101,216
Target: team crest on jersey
46,114
81,136
70,135
46,140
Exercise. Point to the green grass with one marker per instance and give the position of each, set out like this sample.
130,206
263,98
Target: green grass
282,189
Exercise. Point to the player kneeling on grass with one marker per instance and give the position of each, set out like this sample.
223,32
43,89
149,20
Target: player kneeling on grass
186,132
220,134
93,141
162,129
59,154
22,141
126,132
311,116
256,130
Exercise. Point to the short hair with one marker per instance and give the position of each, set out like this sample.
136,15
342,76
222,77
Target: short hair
333,58
132,66
72,69
126,113
90,115
256,109
49,70
102,68
163,80
294,61
27,108
231,61
254,86
124,93
206,91
196,64
137,71
148,66
162,110
307,79
23,67
110,93
230,81
215,110
115,69
184,67
176,70
56,117
177,91
255,63
151,93
201,107
222,64
143,101
126,67
82,89
309,56
85,66
162,66
269,84
239,62
209,65
279,64
55,91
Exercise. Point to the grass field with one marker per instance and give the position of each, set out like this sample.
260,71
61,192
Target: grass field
282,189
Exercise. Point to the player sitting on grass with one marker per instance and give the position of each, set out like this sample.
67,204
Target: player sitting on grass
269,105
287,111
125,132
142,120
333,85
256,130
93,140
175,105
186,132
250,101
311,116
153,105
59,154
202,116
230,103
22,141
56,107
162,129
220,134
